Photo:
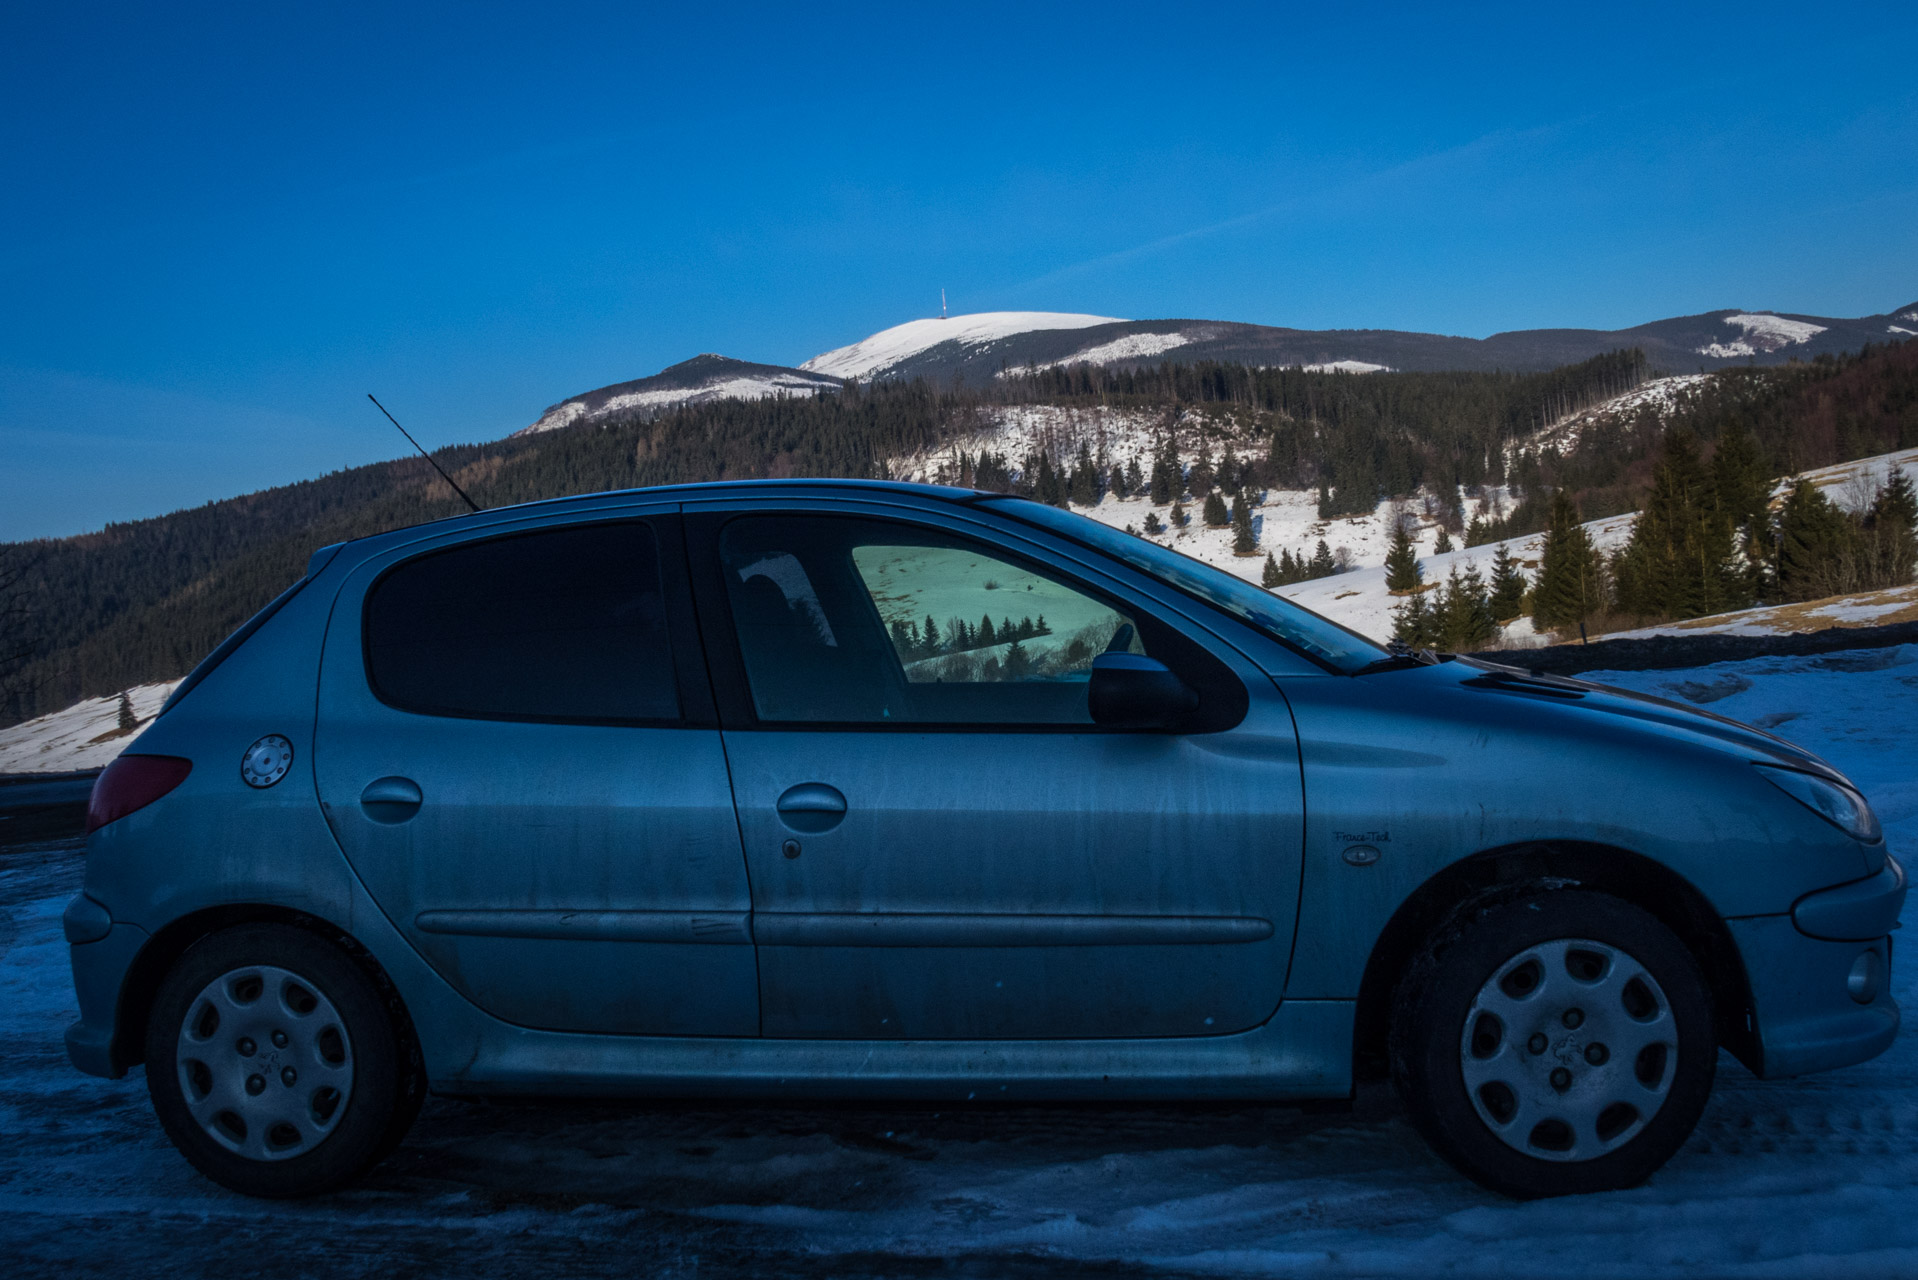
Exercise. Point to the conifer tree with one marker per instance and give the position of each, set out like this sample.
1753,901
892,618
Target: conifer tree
1403,572
1741,480
1896,502
1571,580
1134,478
1741,491
1153,525
1085,479
985,632
1477,533
1412,623
1443,543
1162,491
1049,487
1200,480
1213,512
1466,612
1322,565
929,636
1174,466
1018,663
1508,586
1813,535
1269,576
128,721
1180,519
1244,540
1679,562
1892,526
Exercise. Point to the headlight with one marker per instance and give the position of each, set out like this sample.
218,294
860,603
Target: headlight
1838,805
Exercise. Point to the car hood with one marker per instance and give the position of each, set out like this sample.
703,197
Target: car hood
1656,714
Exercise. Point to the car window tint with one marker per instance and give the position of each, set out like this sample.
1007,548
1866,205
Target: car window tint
855,621
567,624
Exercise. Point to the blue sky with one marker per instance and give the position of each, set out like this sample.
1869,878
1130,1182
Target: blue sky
221,227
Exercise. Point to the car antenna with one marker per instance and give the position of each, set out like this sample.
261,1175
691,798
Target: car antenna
423,453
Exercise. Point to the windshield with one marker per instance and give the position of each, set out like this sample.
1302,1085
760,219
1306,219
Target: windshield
1333,645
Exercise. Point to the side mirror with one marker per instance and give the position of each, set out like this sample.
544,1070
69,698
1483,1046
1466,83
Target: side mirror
1132,691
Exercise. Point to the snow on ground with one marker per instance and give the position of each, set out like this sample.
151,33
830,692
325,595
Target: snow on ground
86,735
1853,485
1133,346
890,346
1347,366
1762,333
1813,1177
1866,609
1659,394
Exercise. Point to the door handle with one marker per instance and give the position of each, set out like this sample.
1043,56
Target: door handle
811,807
391,800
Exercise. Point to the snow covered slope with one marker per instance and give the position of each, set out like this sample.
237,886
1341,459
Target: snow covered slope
86,735
1764,332
695,381
1288,519
890,347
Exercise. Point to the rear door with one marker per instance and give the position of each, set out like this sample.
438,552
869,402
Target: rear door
941,842
517,752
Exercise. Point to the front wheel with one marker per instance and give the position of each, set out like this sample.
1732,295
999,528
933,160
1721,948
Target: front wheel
276,1064
1555,1043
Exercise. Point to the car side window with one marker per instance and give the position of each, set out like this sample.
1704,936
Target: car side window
565,624
861,621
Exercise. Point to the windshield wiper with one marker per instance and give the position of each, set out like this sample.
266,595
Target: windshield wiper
1401,656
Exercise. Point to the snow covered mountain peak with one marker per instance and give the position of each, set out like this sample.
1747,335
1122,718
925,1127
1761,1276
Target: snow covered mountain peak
1763,332
697,381
891,346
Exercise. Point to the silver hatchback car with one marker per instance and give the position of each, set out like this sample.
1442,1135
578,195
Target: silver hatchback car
873,790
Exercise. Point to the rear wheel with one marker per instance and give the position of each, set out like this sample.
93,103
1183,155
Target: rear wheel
276,1064
1557,1042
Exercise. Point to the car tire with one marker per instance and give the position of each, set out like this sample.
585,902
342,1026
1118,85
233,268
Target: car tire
277,1064
1554,1041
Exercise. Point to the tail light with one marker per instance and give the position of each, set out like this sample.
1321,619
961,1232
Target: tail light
130,783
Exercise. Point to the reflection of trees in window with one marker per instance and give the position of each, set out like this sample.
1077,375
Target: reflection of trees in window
1014,658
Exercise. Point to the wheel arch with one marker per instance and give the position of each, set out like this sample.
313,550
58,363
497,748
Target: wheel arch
164,949
1494,873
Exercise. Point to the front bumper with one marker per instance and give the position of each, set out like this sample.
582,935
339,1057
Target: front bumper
1804,1016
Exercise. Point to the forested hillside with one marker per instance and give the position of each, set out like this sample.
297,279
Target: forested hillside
142,601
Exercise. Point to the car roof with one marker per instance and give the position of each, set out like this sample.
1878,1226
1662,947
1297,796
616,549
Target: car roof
797,487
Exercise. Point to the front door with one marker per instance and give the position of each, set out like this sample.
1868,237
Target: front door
517,753
941,842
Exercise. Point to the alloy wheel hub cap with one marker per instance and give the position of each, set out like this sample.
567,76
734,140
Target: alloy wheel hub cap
1569,1050
265,1063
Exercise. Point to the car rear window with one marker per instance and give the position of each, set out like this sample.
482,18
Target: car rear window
567,624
